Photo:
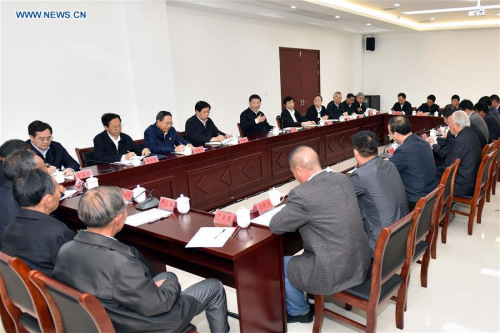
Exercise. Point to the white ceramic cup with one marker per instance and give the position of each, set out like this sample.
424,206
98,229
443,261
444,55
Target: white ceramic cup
58,176
243,217
183,205
91,183
188,150
136,160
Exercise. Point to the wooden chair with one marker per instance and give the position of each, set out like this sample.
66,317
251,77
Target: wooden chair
86,156
240,130
486,150
387,276
496,170
22,300
278,121
426,230
181,134
444,206
71,310
140,143
477,200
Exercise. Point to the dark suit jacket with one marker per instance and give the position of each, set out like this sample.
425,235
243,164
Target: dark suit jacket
2,174
159,143
287,120
466,147
312,113
36,238
442,146
248,125
57,156
415,163
8,206
381,196
345,108
333,111
425,108
356,105
406,107
198,134
113,272
336,253
492,120
105,149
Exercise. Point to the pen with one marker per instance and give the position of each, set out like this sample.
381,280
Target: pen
219,233
236,232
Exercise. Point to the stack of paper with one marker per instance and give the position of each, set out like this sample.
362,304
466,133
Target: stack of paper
211,237
265,218
147,216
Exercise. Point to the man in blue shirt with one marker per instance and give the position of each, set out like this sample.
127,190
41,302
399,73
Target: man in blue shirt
162,137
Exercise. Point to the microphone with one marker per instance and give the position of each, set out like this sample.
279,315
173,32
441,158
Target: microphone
108,170
150,202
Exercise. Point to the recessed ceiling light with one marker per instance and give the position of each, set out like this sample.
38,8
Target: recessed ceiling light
368,24
337,17
397,4
293,7
432,18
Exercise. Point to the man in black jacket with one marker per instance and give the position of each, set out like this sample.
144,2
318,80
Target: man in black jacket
50,151
290,117
113,272
111,145
316,112
491,118
346,107
402,104
333,108
200,128
430,107
252,120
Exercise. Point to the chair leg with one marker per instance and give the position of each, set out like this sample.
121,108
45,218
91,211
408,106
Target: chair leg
424,268
444,229
434,239
487,194
472,215
400,306
319,305
494,183
371,320
480,210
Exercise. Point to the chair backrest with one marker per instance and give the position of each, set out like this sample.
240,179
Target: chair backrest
239,129
71,310
484,172
278,121
22,293
86,156
140,143
181,134
428,206
448,180
488,148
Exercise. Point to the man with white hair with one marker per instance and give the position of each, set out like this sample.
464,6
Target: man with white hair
467,148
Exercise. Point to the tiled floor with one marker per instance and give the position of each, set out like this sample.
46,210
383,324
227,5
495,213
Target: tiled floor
463,287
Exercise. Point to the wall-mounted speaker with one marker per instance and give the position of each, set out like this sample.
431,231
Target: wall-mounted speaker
370,43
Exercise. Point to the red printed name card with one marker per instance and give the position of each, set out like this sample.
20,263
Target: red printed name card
83,174
329,122
150,160
293,130
79,184
390,151
197,150
263,206
224,218
421,114
167,204
127,194
243,140
360,116
397,113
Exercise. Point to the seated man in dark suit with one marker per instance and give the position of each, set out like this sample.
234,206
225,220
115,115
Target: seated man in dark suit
466,147
430,107
162,137
358,106
413,159
51,152
491,119
200,128
333,108
35,236
7,148
402,104
252,120
477,122
111,145
290,117
346,106
381,193
324,209
316,112
441,145
114,273
495,102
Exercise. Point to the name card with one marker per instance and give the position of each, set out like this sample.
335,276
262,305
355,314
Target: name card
83,174
151,159
127,194
421,114
167,204
224,218
263,206
390,151
329,122
197,150
360,116
79,184
424,136
378,112
397,113
293,130
243,140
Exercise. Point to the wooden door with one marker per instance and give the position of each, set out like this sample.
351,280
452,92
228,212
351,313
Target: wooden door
300,76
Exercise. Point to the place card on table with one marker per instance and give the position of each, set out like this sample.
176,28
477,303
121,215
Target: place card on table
263,206
167,204
224,218
243,140
128,195
83,174
197,150
151,159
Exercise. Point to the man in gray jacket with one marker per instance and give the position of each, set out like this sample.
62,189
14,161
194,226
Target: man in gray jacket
96,263
324,209
378,185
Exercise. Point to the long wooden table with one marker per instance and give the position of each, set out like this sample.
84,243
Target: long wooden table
253,261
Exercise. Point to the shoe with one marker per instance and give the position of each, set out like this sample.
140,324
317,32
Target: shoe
310,298
306,318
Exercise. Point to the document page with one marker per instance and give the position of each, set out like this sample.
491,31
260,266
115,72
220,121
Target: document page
211,237
265,218
148,216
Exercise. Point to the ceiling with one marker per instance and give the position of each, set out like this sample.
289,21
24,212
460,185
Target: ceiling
357,17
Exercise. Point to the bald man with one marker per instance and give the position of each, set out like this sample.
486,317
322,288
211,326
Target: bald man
324,210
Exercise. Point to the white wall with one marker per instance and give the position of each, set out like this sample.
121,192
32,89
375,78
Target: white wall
444,63
224,59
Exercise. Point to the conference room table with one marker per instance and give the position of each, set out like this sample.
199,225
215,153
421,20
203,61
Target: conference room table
252,262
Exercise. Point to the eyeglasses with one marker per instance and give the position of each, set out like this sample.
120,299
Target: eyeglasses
46,139
120,125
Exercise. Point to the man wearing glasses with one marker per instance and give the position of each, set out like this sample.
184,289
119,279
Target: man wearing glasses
52,152
162,137
111,145
200,128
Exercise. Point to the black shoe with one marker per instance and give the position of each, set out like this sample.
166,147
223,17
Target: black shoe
306,318
310,298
